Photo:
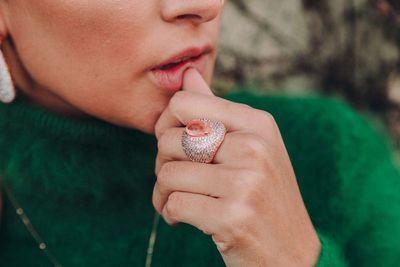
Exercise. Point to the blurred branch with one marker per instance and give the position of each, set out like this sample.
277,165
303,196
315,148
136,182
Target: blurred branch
353,50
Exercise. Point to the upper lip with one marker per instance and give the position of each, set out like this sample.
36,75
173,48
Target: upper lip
186,54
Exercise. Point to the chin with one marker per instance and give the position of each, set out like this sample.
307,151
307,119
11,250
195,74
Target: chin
147,121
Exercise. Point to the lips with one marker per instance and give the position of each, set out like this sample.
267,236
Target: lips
169,74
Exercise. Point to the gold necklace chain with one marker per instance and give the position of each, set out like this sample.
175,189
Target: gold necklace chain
42,244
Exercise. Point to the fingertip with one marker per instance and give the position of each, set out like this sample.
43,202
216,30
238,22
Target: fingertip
194,82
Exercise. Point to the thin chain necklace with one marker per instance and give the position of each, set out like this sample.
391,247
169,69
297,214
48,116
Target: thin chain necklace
42,244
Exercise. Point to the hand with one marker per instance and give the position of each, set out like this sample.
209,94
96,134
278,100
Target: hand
248,200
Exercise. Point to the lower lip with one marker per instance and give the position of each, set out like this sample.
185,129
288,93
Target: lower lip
172,79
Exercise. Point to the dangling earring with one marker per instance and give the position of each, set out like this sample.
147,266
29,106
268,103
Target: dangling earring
7,89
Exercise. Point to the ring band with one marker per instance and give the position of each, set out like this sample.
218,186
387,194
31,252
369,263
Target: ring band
202,138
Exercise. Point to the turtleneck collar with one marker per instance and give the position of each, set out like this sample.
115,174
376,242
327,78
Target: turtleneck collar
25,115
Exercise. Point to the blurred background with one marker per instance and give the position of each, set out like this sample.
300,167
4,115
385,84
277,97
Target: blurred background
346,48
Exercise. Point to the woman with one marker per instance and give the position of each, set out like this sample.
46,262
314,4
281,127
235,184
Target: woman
95,80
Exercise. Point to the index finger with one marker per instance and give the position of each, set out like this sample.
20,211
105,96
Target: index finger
185,106
194,82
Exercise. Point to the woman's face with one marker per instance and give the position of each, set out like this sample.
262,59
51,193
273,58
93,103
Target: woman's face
101,56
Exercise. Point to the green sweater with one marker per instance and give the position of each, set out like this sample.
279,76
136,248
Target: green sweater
87,186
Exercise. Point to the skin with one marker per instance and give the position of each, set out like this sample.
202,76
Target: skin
89,53
93,58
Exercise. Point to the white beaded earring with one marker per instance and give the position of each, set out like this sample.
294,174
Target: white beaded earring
7,89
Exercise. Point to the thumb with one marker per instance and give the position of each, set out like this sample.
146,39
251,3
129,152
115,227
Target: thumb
194,82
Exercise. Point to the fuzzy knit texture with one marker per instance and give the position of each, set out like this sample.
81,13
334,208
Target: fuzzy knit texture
86,185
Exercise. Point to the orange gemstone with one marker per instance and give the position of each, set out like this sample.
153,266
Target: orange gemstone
197,128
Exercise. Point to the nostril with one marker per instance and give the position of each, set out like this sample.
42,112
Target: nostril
189,16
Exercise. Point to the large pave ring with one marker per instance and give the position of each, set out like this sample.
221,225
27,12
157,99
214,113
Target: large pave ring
202,138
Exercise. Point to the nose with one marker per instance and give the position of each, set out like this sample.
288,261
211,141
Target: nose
195,11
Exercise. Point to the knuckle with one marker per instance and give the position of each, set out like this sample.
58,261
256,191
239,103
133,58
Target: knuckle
271,124
164,141
259,113
158,164
238,221
161,142
237,108
246,109
245,106
241,180
256,179
254,147
166,171
254,199
250,191
158,129
267,117
173,205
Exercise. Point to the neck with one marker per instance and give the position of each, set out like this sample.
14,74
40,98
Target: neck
28,88
51,102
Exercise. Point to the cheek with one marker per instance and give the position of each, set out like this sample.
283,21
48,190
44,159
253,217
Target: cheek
100,31
78,36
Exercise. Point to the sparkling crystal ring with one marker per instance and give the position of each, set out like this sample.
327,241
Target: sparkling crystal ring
202,138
